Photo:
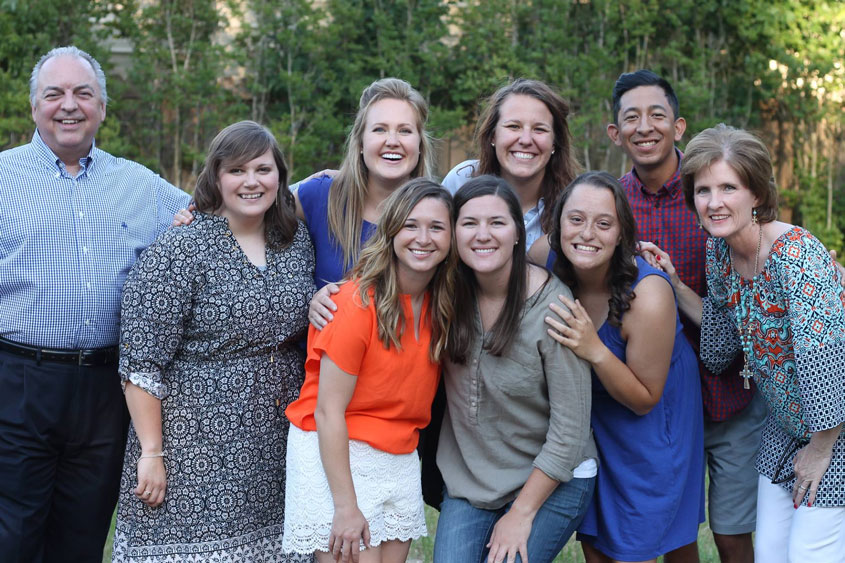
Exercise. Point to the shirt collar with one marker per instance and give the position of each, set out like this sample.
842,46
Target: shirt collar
52,160
672,187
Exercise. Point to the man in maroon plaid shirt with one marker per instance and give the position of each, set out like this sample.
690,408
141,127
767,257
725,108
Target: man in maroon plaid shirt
646,126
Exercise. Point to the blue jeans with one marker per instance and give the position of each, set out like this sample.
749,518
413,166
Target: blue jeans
463,530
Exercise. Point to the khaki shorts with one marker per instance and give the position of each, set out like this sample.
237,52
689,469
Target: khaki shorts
730,449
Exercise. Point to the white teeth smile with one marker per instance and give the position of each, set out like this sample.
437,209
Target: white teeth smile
421,252
646,143
250,196
70,121
484,250
586,248
718,217
523,155
392,156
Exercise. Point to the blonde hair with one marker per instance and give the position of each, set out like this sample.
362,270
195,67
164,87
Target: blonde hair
349,189
377,269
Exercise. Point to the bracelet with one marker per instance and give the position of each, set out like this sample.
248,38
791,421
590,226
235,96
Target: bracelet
147,456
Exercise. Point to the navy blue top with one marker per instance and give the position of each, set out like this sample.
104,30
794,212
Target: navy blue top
314,198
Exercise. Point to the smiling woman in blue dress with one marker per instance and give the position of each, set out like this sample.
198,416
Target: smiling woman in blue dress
646,394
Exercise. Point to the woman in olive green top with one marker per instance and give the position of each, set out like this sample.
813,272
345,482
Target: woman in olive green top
515,449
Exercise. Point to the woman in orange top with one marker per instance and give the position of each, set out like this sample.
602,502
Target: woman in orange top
371,375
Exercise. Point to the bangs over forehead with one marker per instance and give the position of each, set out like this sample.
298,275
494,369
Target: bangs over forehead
240,148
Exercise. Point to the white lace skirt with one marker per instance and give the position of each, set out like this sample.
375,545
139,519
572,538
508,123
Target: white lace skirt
387,487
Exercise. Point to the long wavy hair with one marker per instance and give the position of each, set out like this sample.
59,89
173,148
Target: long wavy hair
237,144
623,269
463,334
377,269
349,188
562,166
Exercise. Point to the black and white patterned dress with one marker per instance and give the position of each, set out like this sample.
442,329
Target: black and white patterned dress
214,337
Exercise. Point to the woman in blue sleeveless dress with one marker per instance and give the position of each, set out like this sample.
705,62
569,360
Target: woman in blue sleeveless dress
646,415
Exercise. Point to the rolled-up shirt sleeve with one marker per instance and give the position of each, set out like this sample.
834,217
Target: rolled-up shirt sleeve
570,398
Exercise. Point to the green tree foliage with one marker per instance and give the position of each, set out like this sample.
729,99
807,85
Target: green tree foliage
299,66
30,28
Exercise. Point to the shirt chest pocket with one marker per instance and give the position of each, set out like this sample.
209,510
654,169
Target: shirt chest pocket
515,374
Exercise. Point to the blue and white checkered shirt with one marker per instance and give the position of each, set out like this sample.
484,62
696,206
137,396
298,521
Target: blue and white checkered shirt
67,243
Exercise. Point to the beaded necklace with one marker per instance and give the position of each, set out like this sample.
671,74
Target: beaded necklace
743,317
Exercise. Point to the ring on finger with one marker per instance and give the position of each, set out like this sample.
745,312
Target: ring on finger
147,493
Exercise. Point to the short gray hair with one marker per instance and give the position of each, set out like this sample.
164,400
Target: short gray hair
69,51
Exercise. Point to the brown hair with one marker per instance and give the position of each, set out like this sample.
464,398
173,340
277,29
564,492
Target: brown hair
743,152
236,144
349,188
503,331
622,270
562,166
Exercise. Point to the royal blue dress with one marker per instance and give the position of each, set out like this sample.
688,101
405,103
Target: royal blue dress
649,496
314,198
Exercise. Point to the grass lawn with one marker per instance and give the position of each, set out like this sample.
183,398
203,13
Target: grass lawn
421,550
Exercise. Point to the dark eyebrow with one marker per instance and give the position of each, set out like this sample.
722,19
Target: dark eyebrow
650,108
600,215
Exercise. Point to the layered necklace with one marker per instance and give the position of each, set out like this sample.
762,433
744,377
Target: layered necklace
743,316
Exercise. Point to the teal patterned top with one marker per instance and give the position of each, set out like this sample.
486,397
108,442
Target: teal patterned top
796,310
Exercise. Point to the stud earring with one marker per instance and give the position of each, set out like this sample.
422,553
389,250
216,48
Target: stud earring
492,144
553,151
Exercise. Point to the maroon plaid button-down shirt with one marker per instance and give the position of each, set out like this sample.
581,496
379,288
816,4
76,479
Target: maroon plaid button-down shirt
663,218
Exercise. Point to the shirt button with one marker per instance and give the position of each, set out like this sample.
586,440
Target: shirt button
87,322
85,250
81,214
88,285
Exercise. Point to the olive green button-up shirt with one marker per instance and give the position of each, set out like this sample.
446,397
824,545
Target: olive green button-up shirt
508,414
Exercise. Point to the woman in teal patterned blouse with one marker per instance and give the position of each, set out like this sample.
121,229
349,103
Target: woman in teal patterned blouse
775,296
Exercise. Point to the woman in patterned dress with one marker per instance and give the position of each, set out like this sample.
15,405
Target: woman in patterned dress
775,296
211,314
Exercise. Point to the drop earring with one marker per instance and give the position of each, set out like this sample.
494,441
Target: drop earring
754,216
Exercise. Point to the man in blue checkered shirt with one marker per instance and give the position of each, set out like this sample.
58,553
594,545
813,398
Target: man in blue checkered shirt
73,219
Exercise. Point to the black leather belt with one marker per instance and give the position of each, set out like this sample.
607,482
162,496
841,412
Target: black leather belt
92,357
